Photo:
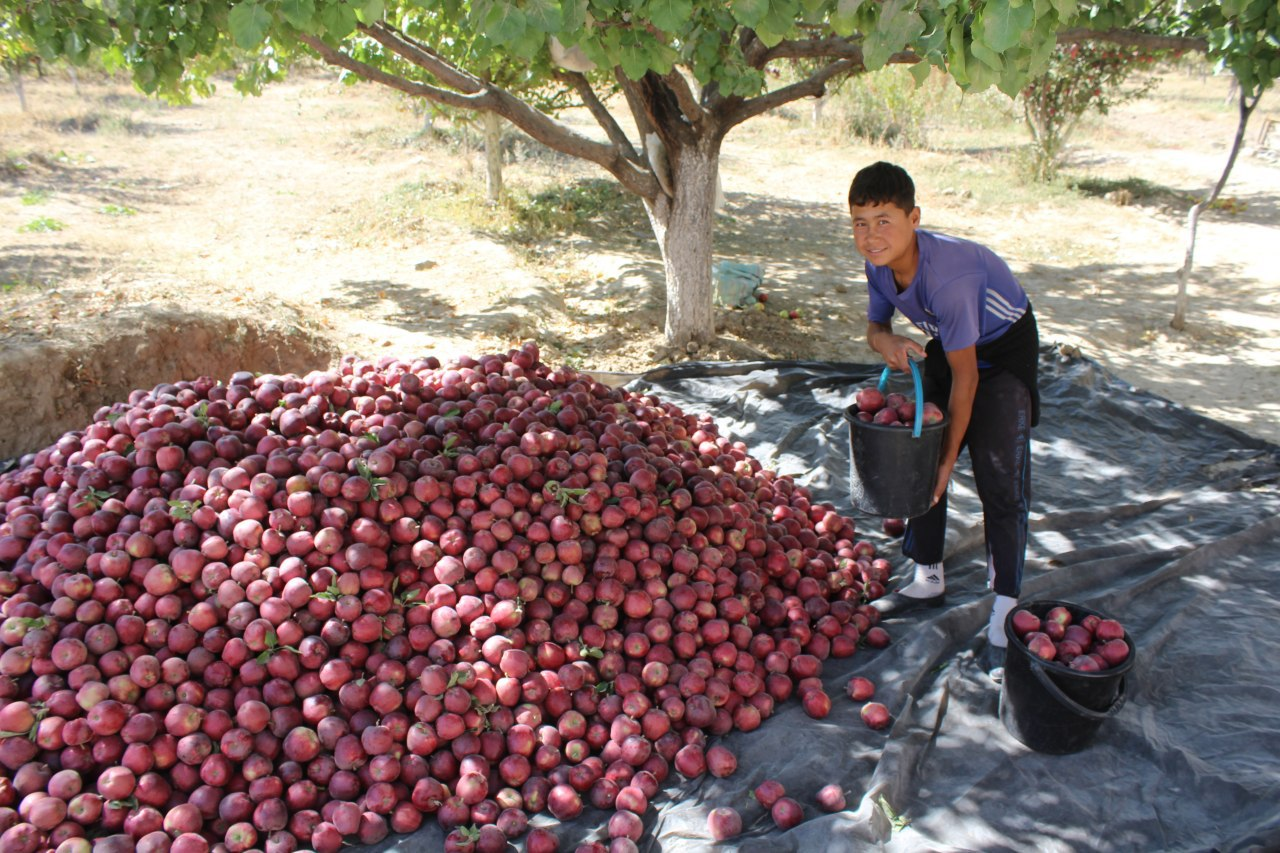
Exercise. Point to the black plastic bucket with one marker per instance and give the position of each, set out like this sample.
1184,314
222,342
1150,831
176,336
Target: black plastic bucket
1049,707
893,469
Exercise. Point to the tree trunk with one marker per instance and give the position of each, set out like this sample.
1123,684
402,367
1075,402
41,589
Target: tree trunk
492,155
683,226
16,76
1180,304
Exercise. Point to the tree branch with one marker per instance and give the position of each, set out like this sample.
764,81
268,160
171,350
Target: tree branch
644,125
488,97
1133,38
811,87
689,105
753,50
832,47
377,75
579,83
424,57
663,108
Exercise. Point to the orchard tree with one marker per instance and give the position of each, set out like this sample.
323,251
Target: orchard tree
688,71
1244,38
679,73
17,52
1081,77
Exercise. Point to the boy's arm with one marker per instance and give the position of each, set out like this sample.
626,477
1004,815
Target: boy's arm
964,385
894,349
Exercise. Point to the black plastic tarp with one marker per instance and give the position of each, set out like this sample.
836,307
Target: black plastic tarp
1142,510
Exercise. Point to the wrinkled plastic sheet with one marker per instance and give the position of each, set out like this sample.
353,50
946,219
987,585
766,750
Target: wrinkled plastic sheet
1142,510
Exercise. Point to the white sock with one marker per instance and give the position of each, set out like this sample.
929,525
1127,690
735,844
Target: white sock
999,612
927,583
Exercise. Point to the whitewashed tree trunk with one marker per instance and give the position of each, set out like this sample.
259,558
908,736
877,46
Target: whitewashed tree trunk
16,76
492,155
683,226
1182,299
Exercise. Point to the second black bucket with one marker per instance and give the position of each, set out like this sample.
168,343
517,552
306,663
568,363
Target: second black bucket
893,469
1049,707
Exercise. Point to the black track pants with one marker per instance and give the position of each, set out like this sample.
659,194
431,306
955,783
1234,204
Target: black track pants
999,445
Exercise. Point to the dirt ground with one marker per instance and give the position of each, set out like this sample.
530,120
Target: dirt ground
272,234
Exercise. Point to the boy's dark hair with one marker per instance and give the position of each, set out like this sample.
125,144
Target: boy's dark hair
883,183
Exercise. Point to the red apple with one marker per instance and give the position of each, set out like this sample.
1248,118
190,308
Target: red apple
1040,645
787,813
816,703
869,400
885,417
1059,614
724,822
1079,635
875,715
1114,652
1084,663
876,638
1024,622
1108,629
831,798
768,792
861,689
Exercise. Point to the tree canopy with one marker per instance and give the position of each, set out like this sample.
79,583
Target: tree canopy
688,70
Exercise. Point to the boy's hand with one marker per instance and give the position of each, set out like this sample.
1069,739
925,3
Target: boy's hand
897,350
944,479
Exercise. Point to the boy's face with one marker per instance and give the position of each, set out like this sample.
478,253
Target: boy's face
884,233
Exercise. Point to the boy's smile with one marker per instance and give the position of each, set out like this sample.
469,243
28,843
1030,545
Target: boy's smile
885,234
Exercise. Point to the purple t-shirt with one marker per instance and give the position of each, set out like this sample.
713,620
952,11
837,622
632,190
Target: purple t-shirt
963,293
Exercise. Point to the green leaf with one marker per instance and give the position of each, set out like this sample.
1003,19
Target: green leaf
74,45
669,15
505,23
299,13
634,59
339,20
987,56
248,23
1002,24
544,16
956,57
573,14
844,20
980,76
370,11
899,25
750,13
776,25
919,72
1012,78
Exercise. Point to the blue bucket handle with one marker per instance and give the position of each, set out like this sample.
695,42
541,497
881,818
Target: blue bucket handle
1070,704
915,374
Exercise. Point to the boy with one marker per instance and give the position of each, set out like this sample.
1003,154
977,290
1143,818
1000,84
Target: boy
980,366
